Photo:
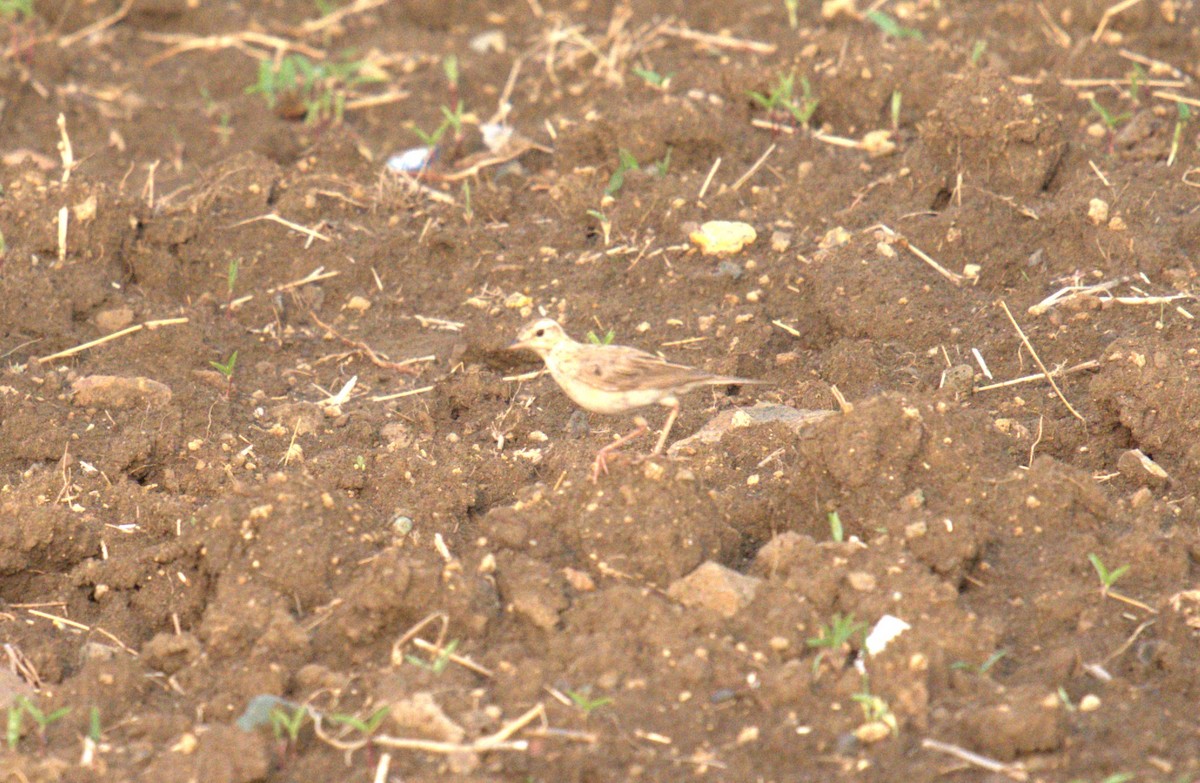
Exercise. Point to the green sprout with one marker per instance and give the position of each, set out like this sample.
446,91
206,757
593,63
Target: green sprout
360,463
836,637
596,339
231,275
23,706
1110,120
284,723
1137,77
95,732
890,27
224,129
605,223
16,10
663,165
654,78
983,668
792,7
439,662
625,163
12,730
992,660
781,98
213,109
454,117
896,99
875,709
1107,578
451,118
226,367
322,88
1183,110
835,527
977,51
1066,700
450,68
432,138
582,699
366,727
1119,777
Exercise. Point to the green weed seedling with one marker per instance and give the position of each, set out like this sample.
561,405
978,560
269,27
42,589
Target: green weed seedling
890,27
468,211
366,726
454,118
16,10
982,668
605,223
781,99
1137,77
596,339
835,637
835,527
875,709
1111,121
13,725
287,725
1107,578
212,109
1183,111
321,87
432,138
663,164
23,706
451,119
450,69
231,275
625,163
1119,777
231,278
439,662
654,78
226,369
582,699
360,463
977,52
95,730
792,7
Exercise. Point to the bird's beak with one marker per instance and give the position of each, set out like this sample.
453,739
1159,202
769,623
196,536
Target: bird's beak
518,346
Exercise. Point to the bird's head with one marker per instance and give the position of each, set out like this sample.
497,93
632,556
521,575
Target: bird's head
539,336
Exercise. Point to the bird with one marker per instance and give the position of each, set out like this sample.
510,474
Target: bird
612,379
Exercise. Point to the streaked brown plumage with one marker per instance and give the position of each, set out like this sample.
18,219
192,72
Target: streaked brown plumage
614,378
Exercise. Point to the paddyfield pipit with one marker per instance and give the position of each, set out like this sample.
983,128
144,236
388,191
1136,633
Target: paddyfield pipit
614,379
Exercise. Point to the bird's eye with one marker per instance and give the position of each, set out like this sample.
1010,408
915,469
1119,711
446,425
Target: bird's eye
540,332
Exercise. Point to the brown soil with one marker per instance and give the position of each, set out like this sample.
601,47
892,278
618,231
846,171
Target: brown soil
204,542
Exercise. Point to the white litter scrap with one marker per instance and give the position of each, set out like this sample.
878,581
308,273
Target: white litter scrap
342,396
887,629
412,160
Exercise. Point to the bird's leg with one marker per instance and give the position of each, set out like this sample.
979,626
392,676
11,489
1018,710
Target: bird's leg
667,425
601,463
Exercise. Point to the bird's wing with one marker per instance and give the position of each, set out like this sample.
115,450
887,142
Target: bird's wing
618,368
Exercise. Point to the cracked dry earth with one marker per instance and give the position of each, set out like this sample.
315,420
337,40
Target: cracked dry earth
247,570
